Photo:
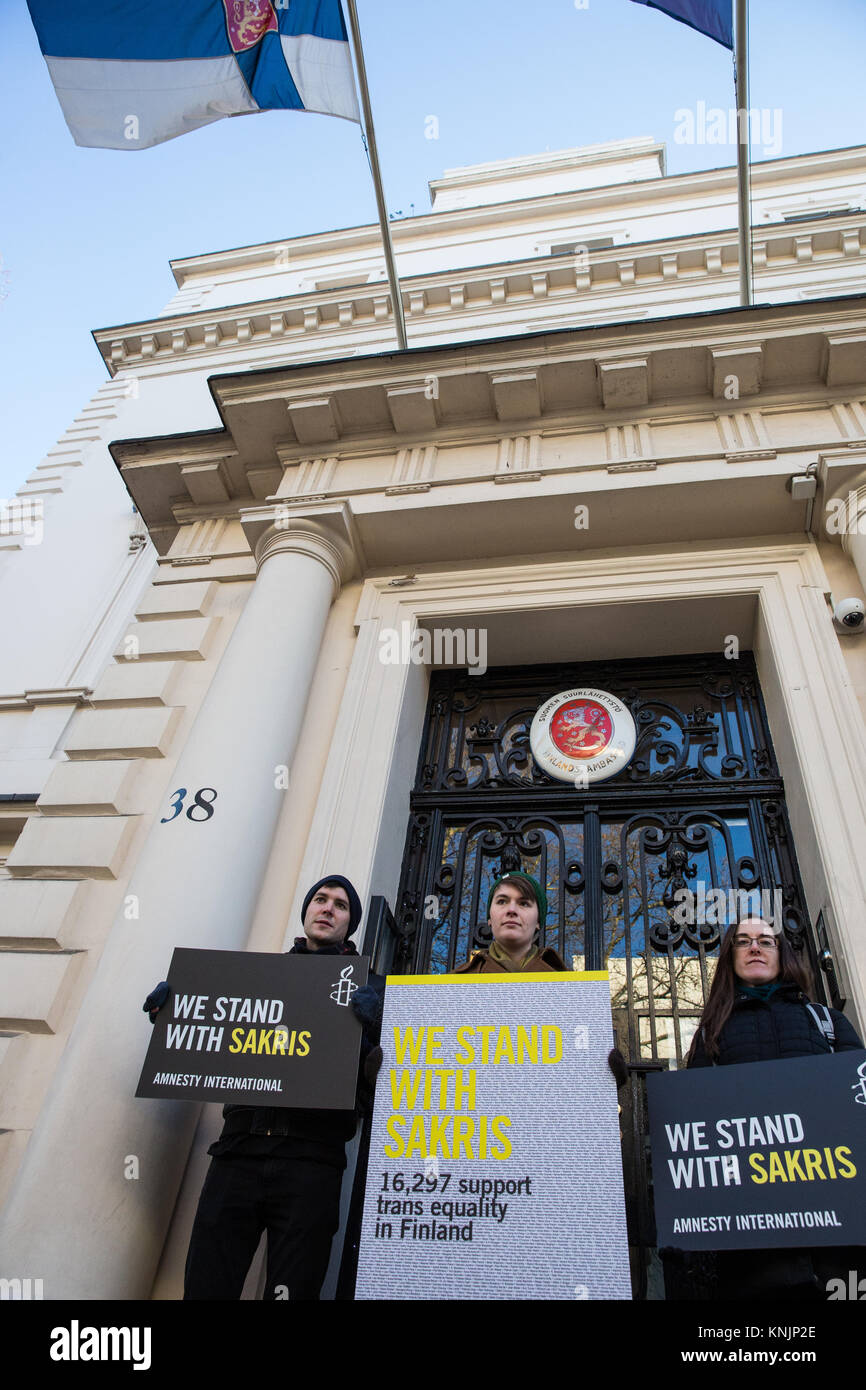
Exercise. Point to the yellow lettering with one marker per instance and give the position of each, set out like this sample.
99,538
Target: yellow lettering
464,1128
417,1141
792,1159
405,1089
281,1037
303,1044
482,1136
527,1043
812,1160
433,1049
501,1122
465,1051
235,1045
464,1091
844,1162
503,1047
485,1029
439,1135
546,1056
755,1161
452,1136
394,1127
406,1042
777,1168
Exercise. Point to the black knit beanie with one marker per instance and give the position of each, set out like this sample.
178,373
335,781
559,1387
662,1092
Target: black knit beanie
354,901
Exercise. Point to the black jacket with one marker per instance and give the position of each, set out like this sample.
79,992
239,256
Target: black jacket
277,1131
770,1030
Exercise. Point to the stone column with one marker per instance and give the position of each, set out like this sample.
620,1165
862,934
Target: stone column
73,1218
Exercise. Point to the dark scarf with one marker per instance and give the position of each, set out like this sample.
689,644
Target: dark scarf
762,992
341,948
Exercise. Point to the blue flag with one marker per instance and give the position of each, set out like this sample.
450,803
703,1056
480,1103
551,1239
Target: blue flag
132,73
711,17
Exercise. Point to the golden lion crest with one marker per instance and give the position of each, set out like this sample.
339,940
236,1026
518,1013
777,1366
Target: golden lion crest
248,21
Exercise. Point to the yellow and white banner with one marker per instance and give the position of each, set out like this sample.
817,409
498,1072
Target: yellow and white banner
495,1168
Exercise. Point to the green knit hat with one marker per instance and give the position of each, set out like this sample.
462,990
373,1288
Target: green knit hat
518,877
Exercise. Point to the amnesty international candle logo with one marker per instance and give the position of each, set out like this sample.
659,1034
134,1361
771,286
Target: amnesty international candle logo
859,1087
582,736
344,988
495,1168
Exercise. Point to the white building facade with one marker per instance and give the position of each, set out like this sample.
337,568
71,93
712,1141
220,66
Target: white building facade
582,467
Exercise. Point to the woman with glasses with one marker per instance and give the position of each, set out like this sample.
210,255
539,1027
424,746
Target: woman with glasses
760,1009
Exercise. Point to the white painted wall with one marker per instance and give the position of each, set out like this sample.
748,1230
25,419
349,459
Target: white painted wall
72,593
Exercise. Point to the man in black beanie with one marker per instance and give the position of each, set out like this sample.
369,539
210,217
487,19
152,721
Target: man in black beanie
279,1169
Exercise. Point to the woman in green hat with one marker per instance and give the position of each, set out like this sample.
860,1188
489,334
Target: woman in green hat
516,912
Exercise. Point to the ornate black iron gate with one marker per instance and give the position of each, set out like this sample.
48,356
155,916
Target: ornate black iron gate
694,821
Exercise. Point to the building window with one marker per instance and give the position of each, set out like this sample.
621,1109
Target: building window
568,248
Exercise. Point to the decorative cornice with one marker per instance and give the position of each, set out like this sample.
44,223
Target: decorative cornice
618,381
639,466
749,455
496,288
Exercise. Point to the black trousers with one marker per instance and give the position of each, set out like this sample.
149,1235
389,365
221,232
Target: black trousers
761,1274
793,1274
296,1200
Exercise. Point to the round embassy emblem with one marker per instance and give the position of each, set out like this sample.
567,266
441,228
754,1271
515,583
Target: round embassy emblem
582,736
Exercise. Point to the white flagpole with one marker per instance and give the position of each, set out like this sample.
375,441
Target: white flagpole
396,298
741,68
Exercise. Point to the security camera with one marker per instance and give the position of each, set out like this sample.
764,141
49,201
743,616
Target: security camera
849,615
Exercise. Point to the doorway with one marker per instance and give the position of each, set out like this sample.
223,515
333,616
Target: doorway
643,872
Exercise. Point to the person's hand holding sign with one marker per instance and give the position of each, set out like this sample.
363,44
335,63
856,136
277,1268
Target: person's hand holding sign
618,1067
155,1000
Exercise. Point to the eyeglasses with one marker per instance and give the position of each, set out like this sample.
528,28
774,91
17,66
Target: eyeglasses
766,943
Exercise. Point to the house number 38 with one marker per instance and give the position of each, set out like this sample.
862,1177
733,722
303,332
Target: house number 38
201,804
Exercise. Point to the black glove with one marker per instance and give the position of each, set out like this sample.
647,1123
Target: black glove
155,1000
618,1067
372,1065
368,1004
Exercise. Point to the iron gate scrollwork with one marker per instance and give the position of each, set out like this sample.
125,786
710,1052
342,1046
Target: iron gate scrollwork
642,872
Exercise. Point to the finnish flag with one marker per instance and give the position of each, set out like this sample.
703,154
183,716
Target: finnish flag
132,73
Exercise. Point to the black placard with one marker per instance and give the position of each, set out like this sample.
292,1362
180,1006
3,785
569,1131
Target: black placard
764,1154
249,1028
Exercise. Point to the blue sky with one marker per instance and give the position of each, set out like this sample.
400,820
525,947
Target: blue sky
86,235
